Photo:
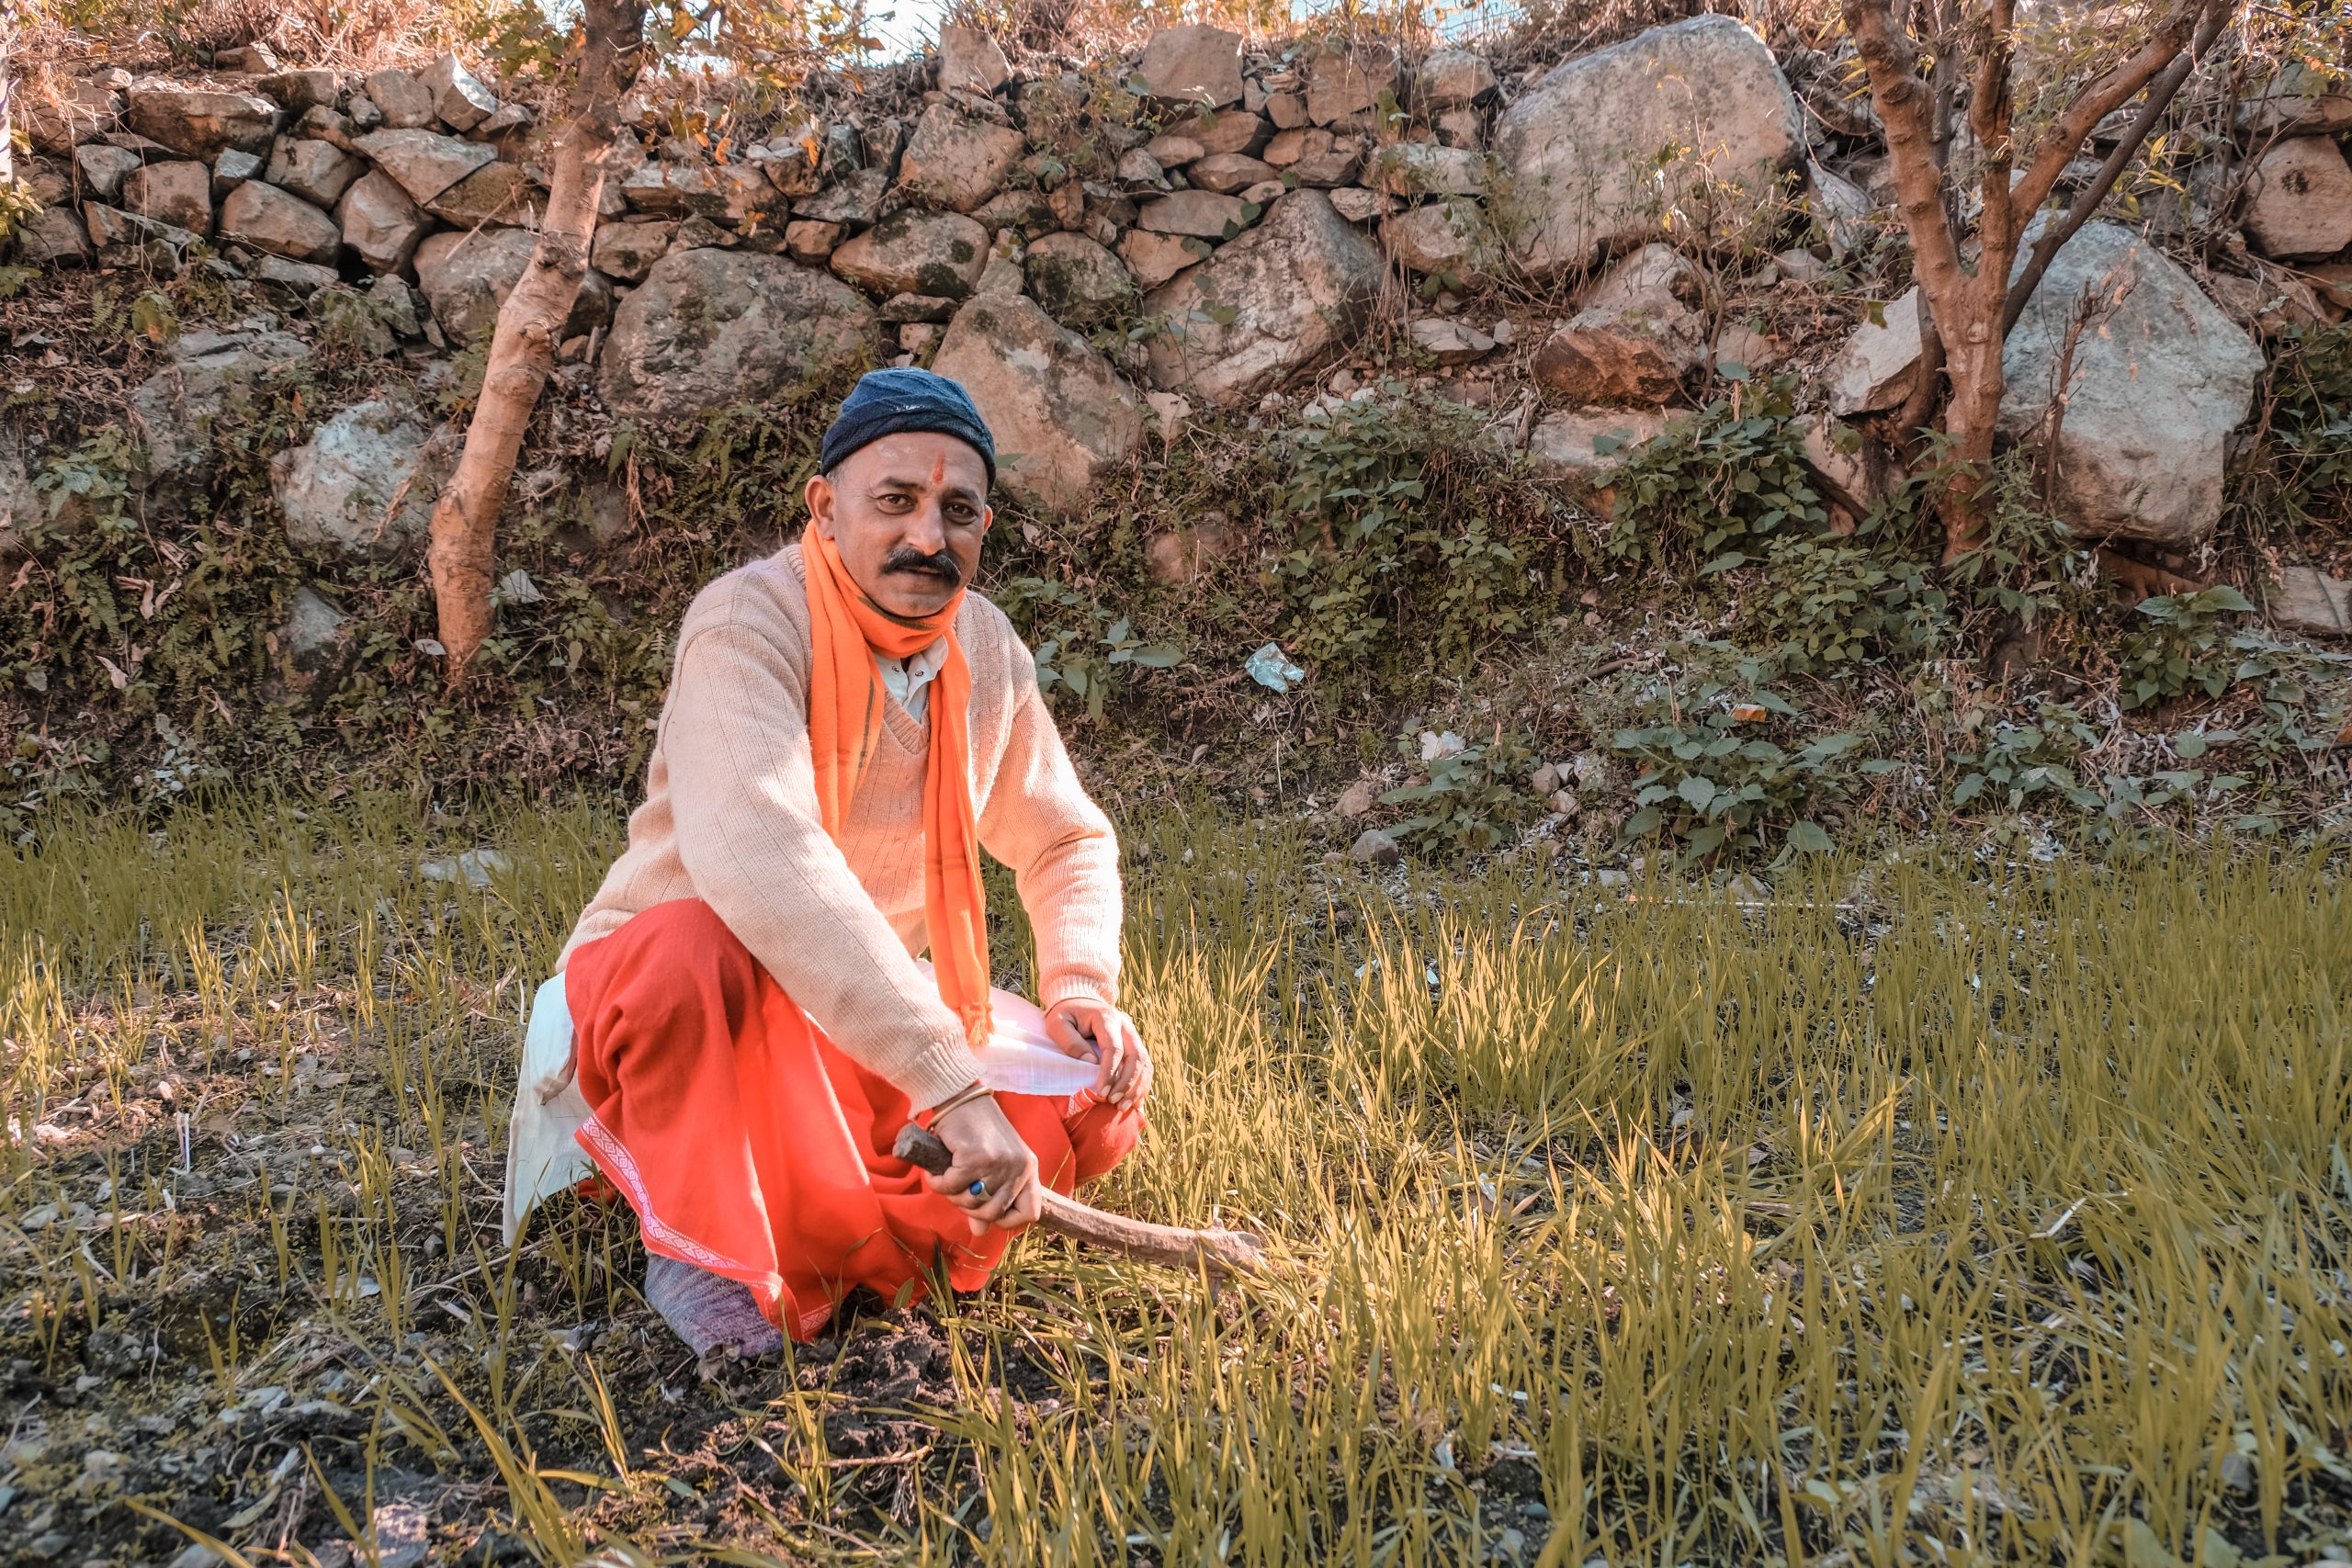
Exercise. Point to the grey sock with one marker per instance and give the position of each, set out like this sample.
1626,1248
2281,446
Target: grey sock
709,1312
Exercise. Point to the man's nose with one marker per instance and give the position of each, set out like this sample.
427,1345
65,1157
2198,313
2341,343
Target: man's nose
926,527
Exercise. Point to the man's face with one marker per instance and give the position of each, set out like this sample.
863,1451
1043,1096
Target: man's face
908,513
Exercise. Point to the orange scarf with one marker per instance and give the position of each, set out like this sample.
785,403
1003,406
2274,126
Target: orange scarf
846,630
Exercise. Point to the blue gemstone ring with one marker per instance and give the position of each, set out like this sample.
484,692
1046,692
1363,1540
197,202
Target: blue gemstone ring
978,1189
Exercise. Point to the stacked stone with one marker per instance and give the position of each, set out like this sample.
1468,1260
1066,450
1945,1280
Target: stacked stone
1254,223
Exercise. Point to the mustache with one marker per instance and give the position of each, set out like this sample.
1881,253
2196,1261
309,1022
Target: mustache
943,566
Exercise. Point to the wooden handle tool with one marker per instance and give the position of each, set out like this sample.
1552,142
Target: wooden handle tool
1222,1252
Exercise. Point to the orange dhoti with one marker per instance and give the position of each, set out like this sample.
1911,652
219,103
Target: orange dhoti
751,1147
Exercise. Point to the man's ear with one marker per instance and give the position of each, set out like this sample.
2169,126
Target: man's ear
819,495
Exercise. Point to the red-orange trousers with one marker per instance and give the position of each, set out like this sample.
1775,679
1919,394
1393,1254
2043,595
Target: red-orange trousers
750,1146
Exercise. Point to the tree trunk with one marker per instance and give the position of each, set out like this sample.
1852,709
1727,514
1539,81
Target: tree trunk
521,349
7,135
1972,418
1971,308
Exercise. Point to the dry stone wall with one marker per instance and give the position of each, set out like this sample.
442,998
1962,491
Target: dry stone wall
1099,274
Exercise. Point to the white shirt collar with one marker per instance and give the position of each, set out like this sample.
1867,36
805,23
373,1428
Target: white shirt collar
909,678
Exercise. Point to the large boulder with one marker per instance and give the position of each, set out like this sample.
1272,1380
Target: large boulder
1080,283
269,220
319,172
957,160
102,169
2300,201
468,275
1878,364
2160,376
493,194
355,490
1266,304
209,377
458,96
67,114
1152,259
178,193
1230,174
405,102
425,163
1581,145
1204,214
2299,99
627,252
676,190
911,252
1197,64
127,240
1233,131
710,328
1569,444
198,124
380,224
1057,410
295,91
970,61
1346,82
2307,600
53,237
854,202
1638,334
1313,156
1451,79
1442,237
1424,168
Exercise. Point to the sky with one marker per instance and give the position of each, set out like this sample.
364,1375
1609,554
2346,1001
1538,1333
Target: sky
912,26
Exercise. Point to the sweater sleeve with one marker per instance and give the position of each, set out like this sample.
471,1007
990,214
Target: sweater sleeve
1040,821
744,794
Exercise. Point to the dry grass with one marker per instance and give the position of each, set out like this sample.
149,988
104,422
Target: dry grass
1939,1211
65,36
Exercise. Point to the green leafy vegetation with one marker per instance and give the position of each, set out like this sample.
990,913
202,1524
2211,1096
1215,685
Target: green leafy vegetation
1472,797
2181,647
1733,475
1395,554
1712,781
2301,474
1078,645
1826,602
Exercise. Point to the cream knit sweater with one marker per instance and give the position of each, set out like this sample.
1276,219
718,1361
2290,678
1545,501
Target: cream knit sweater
731,817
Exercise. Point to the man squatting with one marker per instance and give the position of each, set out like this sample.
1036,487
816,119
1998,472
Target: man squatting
739,1025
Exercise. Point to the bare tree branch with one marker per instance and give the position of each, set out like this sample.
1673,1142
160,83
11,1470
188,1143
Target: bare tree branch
2060,230
1905,108
1990,115
2102,97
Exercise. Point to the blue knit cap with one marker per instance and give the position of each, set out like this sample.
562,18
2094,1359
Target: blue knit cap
885,403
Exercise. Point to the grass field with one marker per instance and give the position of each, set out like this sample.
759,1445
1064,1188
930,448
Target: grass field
1936,1211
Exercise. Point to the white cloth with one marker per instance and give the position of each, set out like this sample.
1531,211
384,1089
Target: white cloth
543,1156
909,678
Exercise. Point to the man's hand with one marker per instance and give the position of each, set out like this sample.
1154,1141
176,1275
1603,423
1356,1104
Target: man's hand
988,1151
1087,1025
